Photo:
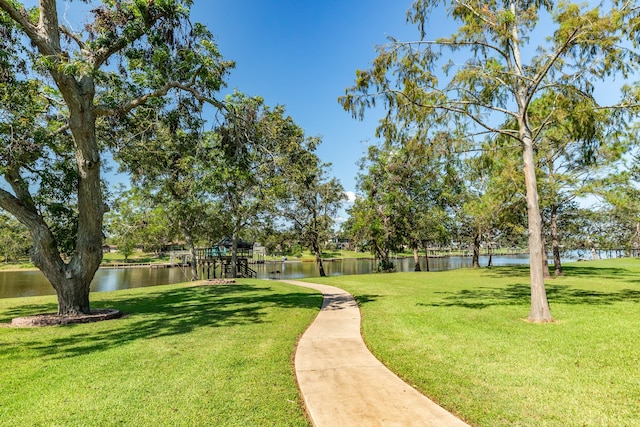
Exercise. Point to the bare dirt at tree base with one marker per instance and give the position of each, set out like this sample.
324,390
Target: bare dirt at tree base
53,319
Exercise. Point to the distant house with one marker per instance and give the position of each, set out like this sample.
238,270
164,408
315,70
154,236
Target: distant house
340,243
245,249
174,246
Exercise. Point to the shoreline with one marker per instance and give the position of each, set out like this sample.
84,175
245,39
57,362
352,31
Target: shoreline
17,268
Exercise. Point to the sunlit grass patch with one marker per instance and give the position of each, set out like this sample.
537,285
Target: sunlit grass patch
461,338
204,355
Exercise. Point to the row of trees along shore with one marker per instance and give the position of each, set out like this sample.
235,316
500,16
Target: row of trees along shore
504,120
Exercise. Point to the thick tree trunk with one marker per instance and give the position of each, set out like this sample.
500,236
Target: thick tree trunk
73,297
489,251
416,259
194,254
72,281
88,251
234,255
72,287
475,263
555,242
539,311
79,93
318,254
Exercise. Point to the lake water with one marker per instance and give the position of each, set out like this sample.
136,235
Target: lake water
31,283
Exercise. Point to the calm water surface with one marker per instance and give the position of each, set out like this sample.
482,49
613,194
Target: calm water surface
32,283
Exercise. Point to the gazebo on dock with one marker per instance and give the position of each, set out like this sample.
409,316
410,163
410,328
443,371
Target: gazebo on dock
222,255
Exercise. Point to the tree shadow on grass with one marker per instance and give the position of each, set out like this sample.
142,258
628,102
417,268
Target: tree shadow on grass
366,298
483,297
27,310
520,293
609,273
173,312
572,270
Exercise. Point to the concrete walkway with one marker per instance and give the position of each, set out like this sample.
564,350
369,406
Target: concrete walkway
343,384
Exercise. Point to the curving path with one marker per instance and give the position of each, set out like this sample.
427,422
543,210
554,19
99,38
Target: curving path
343,384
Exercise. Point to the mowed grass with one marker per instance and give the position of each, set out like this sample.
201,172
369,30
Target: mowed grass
218,355
461,337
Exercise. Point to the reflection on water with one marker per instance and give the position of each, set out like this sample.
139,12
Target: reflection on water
31,283
296,270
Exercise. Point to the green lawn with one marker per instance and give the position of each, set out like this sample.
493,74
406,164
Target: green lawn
221,355
184,356
462,339
107,258
136,257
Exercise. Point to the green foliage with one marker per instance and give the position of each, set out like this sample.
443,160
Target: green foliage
34,158
249,155
166,165
135,221
14,239
407,194
312,199
588,45
128,54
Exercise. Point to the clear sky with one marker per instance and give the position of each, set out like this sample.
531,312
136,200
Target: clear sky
303,55
299,54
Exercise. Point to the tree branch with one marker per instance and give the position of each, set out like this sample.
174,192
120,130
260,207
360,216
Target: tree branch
104,53
21,17
187,87
537,79
64,30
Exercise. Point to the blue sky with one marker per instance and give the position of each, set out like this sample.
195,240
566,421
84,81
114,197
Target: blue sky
303,55
299,54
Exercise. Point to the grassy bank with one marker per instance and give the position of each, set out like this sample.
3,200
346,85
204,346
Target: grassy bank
107,258
460,337
184,356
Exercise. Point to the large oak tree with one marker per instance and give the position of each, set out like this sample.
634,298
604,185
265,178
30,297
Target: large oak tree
128,53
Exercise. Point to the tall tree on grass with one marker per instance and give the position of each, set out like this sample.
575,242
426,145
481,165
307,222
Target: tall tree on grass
418,179
491,70
312,200
129,52
377,214
248,154
165,160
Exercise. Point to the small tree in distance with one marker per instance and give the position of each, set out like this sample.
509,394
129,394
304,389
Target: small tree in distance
312,200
